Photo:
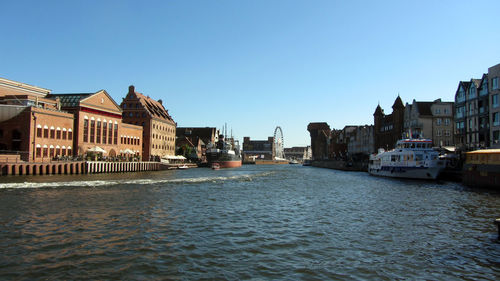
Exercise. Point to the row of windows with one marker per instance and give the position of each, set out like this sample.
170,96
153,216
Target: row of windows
164,128
100,132
439,121
129,140
163,147
446,133
53,133
52,151
165,138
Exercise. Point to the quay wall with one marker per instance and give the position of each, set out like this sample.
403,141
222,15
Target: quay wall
74,167
341,165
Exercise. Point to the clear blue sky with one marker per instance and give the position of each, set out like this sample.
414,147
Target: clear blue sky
253,64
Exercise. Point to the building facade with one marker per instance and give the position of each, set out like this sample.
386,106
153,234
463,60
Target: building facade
98,126
192,142
432,120
361,140
258,149
159,128
388,129
494,114
320,140
299,153
32,125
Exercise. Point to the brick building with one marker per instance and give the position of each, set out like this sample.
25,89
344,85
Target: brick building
196,139
258,149
31,125
98,125
388,129
159,128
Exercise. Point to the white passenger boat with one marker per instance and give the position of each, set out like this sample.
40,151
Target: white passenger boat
412,158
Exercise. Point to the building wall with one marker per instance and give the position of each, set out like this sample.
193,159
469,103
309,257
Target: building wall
258,149
131,139
320,140
494,99
388,129
442,123
87,140
37,134
361,141
158,132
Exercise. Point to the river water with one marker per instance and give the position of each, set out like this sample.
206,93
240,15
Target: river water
283,222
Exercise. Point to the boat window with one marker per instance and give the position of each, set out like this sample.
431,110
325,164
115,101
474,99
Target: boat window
419,157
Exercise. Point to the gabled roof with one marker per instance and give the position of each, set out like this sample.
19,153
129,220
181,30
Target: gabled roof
476,82
484,79
153,107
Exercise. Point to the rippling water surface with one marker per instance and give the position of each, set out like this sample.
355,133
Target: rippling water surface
256,222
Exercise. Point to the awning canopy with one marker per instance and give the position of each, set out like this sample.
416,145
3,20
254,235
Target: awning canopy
96,149
174,157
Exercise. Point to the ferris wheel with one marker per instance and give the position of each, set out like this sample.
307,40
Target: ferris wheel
278,143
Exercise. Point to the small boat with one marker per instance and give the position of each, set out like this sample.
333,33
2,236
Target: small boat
412,158
215,166
183,167
293,162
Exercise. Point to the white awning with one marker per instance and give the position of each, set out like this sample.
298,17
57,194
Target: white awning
174,157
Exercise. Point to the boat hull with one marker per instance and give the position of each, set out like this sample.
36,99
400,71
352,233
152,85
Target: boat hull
430,173
228,164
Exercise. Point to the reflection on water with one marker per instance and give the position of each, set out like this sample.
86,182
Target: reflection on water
263,222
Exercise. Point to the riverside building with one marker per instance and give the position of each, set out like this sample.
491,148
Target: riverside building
33,128
158,126
98,126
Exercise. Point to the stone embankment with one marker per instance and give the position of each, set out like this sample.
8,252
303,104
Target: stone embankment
341,165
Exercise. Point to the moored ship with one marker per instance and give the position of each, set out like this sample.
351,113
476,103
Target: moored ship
224,154
412,158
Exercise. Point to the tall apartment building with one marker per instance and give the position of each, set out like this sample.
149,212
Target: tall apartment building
159,128
433,120
461,113
494,114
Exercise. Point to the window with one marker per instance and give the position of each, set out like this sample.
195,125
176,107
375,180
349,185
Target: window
445,111
494,101
39,132
439,133
494,83
64,134
70,134
496,119
98,140
58,133
470,123
438,121
52,132
45,151
438,111
92,131
45,132
69,150
116,134
38,151
104,131
472,91
85,130
447,121
110,136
